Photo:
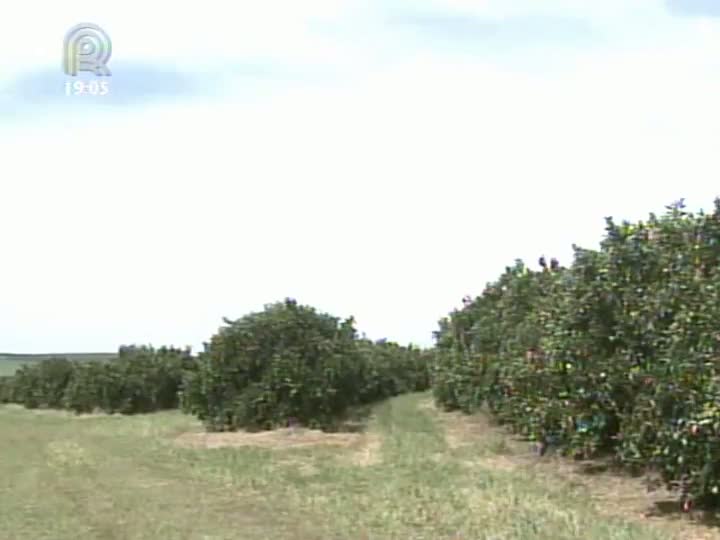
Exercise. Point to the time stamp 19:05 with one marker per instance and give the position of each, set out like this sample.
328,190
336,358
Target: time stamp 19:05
87,47
91,88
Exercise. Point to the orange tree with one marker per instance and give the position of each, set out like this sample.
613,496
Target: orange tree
617,353
292,362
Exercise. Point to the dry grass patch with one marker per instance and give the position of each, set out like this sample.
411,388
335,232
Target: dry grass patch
300,465
65,453
362,446
275,439
367,452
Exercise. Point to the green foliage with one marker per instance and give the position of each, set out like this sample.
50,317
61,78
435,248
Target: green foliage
292,362
617,353
42,385
6,389
389,369
141,379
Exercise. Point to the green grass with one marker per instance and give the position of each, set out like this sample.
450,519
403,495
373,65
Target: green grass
407,477
9,363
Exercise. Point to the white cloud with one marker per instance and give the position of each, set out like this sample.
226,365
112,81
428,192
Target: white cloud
608,10
388,194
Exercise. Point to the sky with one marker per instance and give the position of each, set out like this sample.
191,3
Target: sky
375,159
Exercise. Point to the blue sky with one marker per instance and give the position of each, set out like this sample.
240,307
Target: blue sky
375,159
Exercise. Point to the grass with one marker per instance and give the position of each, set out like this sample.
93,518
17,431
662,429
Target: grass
414,473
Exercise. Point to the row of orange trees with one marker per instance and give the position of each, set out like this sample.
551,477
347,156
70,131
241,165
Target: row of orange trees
141,379
617,353
266,369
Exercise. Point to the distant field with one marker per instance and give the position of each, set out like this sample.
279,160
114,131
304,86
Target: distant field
9,363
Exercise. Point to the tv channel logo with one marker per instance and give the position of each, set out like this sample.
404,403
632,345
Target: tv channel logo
86,47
